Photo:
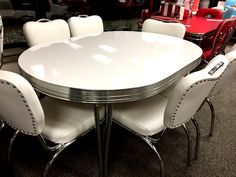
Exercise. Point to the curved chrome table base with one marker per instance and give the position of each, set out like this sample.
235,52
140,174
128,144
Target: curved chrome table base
107,134
98,133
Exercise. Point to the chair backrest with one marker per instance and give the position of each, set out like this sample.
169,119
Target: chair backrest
230,32
19,104
84,25
231,68
44,30
222,35
191,91
209,13
171,29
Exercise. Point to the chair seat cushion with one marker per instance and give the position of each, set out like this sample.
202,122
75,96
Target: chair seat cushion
65,120
144,117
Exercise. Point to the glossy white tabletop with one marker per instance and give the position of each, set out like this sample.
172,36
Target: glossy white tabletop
108,67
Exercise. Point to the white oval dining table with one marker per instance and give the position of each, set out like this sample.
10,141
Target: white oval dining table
109,67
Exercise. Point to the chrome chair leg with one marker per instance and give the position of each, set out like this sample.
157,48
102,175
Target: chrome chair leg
10,146
212,116
189,144
1,124
161,164
198,135
50,162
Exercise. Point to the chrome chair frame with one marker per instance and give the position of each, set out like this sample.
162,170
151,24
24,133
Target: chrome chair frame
35,110
177,103
1,124
150,142
58,148
211,106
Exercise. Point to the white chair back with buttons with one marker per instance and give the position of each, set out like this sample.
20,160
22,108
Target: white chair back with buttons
151,116
231,68
45,30
53,120
20,106
227,74
84,25
171,29
191,91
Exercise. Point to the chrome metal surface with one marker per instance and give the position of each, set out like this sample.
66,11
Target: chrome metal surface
11,145
212,116
107,96
189,155
99,141
198,136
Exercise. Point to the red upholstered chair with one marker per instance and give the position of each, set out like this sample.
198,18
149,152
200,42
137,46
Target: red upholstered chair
220,39
161,12
209,13
145,14
150,10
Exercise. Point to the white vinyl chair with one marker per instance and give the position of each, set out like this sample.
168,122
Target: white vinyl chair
231,68
51,120
84,25
171,29
153,115
44,30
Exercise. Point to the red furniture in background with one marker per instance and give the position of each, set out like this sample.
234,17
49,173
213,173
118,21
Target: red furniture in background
207,28
209,13
217,44
199,28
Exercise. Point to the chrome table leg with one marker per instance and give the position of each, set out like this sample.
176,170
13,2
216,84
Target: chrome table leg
98,132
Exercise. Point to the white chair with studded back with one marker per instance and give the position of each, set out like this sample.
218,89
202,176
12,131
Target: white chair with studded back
153,115
85,25
57,123
45,30
171,29
231,68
